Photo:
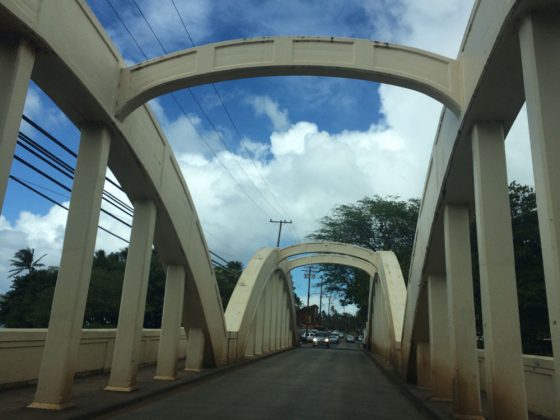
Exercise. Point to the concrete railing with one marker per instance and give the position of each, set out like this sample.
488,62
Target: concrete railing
539,382
21,351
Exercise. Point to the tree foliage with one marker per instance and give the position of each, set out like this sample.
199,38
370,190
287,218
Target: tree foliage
227,277
28,302
374,223
529,269
24,259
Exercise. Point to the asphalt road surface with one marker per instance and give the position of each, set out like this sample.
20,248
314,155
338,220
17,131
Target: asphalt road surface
306,383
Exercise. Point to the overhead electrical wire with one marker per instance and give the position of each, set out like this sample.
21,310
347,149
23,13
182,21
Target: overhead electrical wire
203,112
232,122
185,113
57,163
46,197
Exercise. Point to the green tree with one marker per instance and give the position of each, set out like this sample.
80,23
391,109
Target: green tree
227,277
103,302
529,269
28,302
375,223
24,259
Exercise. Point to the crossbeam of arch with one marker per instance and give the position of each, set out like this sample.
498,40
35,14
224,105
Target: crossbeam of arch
334,259
328,248
429,73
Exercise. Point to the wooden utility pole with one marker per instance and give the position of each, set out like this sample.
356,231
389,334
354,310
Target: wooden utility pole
309,276
281,222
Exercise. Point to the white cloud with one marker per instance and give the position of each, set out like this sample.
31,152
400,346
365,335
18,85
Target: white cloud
36,108
263,105
45,234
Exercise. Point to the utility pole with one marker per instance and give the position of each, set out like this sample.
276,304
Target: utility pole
281,222
309,276
321,301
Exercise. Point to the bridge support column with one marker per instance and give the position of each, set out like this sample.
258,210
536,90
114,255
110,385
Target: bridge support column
16,63
60,355
505,377
462,334
195,350
259,329
440,359
423,365
133,300
250,348
267,319
171,323
540,43
276,313
285,320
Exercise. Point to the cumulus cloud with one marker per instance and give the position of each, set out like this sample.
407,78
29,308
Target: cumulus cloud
263,105
45,233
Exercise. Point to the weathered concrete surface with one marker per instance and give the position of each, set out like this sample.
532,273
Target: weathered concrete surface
310,383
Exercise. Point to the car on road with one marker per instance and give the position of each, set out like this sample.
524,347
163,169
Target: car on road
321,339
360,338
350,339
334,338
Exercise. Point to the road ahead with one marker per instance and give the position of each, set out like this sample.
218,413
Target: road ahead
306,383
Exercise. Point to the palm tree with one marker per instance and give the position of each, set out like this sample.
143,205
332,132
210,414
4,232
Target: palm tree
24,260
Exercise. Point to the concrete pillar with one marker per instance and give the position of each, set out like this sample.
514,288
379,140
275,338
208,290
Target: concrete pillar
171,323
267,318
462,333
133,299
285,309
60,355
16,63
440,358
540,42
278,300
423,364
505,377
195,350
259,321
250,348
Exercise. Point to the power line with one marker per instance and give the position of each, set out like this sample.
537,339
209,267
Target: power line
232,122
184,111
61,145
27,184
46,197
195,99
47,157
61,185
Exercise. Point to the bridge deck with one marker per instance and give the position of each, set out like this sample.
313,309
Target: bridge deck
304,383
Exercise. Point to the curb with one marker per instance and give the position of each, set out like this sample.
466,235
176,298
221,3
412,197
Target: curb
422,405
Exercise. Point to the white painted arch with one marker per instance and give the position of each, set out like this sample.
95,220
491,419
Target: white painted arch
429,73
263,283
328,248
335,259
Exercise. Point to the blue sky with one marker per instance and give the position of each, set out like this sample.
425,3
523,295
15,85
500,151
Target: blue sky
308,143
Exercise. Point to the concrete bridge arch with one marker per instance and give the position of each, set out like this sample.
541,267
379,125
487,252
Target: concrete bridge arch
509,55
429,73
